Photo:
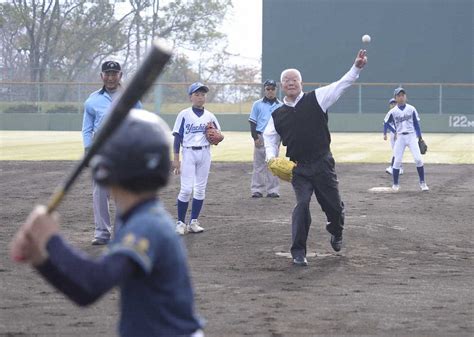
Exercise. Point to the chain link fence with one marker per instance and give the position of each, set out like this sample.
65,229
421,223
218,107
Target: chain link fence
236,98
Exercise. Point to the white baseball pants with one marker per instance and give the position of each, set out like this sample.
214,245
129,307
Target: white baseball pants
195,166
406,140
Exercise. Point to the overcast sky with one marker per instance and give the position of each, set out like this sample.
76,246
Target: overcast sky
243,26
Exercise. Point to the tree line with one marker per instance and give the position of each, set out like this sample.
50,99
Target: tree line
67,40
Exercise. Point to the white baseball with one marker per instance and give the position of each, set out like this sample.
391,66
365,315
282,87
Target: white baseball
366,38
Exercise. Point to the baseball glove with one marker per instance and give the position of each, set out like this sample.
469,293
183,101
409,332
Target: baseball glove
422,145
282,168
213,135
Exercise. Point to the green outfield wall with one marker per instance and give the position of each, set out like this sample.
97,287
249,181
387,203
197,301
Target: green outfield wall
338,122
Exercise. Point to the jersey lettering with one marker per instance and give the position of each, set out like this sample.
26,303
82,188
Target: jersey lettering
191,128
399,119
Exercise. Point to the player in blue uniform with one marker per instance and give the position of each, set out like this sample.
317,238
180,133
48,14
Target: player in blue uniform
189,133
145,258
96,108
406,120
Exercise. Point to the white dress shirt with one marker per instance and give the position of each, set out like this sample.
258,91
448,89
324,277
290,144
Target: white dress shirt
326,97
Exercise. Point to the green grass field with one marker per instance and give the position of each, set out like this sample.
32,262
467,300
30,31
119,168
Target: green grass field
443,148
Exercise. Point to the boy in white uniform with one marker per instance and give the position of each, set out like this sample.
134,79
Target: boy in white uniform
407,126
190,132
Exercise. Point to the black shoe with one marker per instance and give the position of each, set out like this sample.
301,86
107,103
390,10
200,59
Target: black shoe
257,195
273,195
300,261
336,242
99,242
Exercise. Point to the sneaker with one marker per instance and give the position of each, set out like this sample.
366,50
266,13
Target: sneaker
423,186
300,261
257,195
273,195
99,242
395,188
389,170
181,228
194,227
336,242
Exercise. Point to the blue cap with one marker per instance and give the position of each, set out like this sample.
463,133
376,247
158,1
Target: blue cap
196,86
392,101
398,90
269,83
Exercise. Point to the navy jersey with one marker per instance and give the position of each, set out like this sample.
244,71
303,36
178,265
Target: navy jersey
157,300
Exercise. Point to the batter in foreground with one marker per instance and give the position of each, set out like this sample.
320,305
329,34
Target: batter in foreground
145,259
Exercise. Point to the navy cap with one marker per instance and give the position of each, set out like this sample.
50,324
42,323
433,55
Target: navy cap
269,83
398,90
392,101
111,66
196,86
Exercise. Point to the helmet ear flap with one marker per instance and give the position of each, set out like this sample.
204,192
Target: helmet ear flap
102,170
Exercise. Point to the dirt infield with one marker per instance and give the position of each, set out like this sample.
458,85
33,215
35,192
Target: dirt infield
406,268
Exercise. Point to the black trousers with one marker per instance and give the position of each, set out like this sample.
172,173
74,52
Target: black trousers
318,177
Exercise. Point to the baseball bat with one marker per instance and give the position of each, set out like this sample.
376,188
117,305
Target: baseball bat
151,67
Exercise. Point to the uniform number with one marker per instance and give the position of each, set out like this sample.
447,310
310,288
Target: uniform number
460,122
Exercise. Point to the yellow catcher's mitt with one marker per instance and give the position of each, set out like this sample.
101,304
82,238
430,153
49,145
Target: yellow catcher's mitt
213,135
282,168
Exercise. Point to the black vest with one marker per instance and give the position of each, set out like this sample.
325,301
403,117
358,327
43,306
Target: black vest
303,129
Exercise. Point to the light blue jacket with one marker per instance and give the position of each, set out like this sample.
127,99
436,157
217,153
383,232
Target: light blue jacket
96,107
261,112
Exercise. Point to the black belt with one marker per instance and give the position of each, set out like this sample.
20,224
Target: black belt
405,133
197,147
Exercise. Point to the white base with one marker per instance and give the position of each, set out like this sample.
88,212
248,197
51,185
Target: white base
308,254
381,189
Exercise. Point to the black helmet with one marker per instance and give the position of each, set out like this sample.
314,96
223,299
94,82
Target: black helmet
136,156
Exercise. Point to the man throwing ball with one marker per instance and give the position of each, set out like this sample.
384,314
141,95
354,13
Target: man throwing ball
301,124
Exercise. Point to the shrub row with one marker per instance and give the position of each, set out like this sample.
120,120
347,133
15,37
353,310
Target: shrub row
33,108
